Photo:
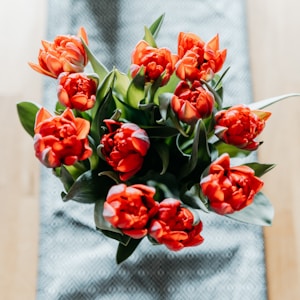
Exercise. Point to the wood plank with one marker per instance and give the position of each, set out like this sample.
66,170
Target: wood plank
274,48
22,27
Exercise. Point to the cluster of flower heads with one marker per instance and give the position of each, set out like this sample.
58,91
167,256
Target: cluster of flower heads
121,127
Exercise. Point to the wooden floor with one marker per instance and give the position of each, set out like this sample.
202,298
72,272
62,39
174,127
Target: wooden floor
274,39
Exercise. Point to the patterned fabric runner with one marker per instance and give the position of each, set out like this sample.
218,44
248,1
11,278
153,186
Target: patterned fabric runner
76,261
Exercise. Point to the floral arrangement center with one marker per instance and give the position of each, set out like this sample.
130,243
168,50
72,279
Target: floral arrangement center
153,149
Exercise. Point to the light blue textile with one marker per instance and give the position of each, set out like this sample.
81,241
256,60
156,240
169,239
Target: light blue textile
76,261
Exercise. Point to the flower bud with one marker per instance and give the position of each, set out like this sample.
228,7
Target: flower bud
77,90
124,147
155,61
239,126
65,54
129,208
173,226
229,189
61,139
192,103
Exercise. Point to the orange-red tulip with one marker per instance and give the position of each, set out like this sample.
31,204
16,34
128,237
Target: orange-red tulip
198,60
229,189
173,226
239,126
130,208
190,41
76,90
65,54
192,102
124,147
61,139
155,61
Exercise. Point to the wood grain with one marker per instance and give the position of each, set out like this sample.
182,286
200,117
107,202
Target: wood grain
274,49
22,27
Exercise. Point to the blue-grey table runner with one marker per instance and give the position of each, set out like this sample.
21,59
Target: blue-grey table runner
76,261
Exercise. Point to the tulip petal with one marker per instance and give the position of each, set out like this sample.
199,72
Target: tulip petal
135,233
132,162
40,70
82,34
83,128
141,141
53,65
42,115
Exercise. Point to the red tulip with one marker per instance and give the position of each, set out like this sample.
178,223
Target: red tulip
155,61
191,103
239,126
190,41
198,60
129,208
77,90
230,189
65,54
173,226
61,139
124,147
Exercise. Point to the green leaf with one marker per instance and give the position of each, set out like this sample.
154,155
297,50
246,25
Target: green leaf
103,90
174,120
136,92
160,131
164,104
266,102
166,185
218,99
162,189
217,82
89,188
66,178
100,222
260,212
154,88
200,150
232,150
94,158
105,110
191,198
163,151
120,92
121,85
156,25
124,252
260,169
122,238
98,67
27,112
59,108
148,37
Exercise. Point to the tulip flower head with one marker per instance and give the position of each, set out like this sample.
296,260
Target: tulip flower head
155,61
230,189
124,147
77,90
129,208
191,103
61,139
174,226
198,60
239,126
65,54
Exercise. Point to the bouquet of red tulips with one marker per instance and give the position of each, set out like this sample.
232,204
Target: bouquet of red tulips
153,149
